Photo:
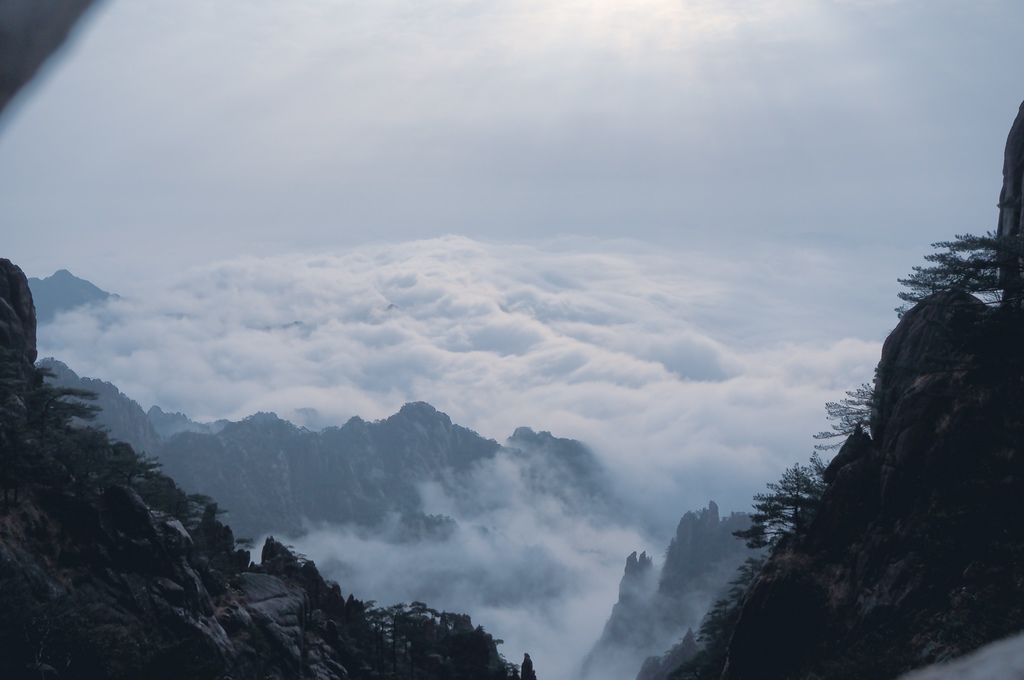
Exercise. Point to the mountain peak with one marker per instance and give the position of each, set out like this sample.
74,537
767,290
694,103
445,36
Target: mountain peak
421,411
63,291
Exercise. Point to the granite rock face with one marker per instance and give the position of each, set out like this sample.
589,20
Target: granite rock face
17,318
916,555
1011,217
658,607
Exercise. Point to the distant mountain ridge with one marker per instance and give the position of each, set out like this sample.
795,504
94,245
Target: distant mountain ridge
119,414
273,476
63,291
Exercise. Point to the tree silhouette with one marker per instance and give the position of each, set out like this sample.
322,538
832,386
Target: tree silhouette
987,266
526,670
788,505
848,414
717,626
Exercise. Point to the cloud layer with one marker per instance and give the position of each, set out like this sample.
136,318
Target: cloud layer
693,375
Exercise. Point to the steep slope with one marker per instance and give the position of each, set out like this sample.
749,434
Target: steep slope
122,417
17,321
917,553
63,291
655,609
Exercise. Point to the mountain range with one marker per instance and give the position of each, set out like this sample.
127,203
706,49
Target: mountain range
271,476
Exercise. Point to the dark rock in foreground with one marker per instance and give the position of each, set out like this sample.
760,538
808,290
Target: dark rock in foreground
917,553
17,320
96,584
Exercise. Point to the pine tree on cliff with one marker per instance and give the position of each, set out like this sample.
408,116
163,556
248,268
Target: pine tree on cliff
848,415
788,506
527,672
987,267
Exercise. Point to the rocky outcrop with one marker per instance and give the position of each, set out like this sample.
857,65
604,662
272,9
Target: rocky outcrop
631,624
704,543
656,608
915,555
1011,217
17,319
104,589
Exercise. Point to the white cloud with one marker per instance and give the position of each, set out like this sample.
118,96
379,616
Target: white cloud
687,368
692,375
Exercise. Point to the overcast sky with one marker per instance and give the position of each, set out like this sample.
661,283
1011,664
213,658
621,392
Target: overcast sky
179,131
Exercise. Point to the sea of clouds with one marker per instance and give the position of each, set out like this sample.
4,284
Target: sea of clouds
692,375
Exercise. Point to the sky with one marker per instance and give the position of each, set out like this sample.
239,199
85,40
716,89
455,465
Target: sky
668,228
175,132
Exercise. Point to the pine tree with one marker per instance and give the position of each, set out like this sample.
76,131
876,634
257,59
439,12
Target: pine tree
788,506
988,267
848,415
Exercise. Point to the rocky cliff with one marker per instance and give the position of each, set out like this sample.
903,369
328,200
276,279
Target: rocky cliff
17,321
657,607
916,554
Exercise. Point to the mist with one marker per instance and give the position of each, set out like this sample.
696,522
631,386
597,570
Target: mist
651,357
532,571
